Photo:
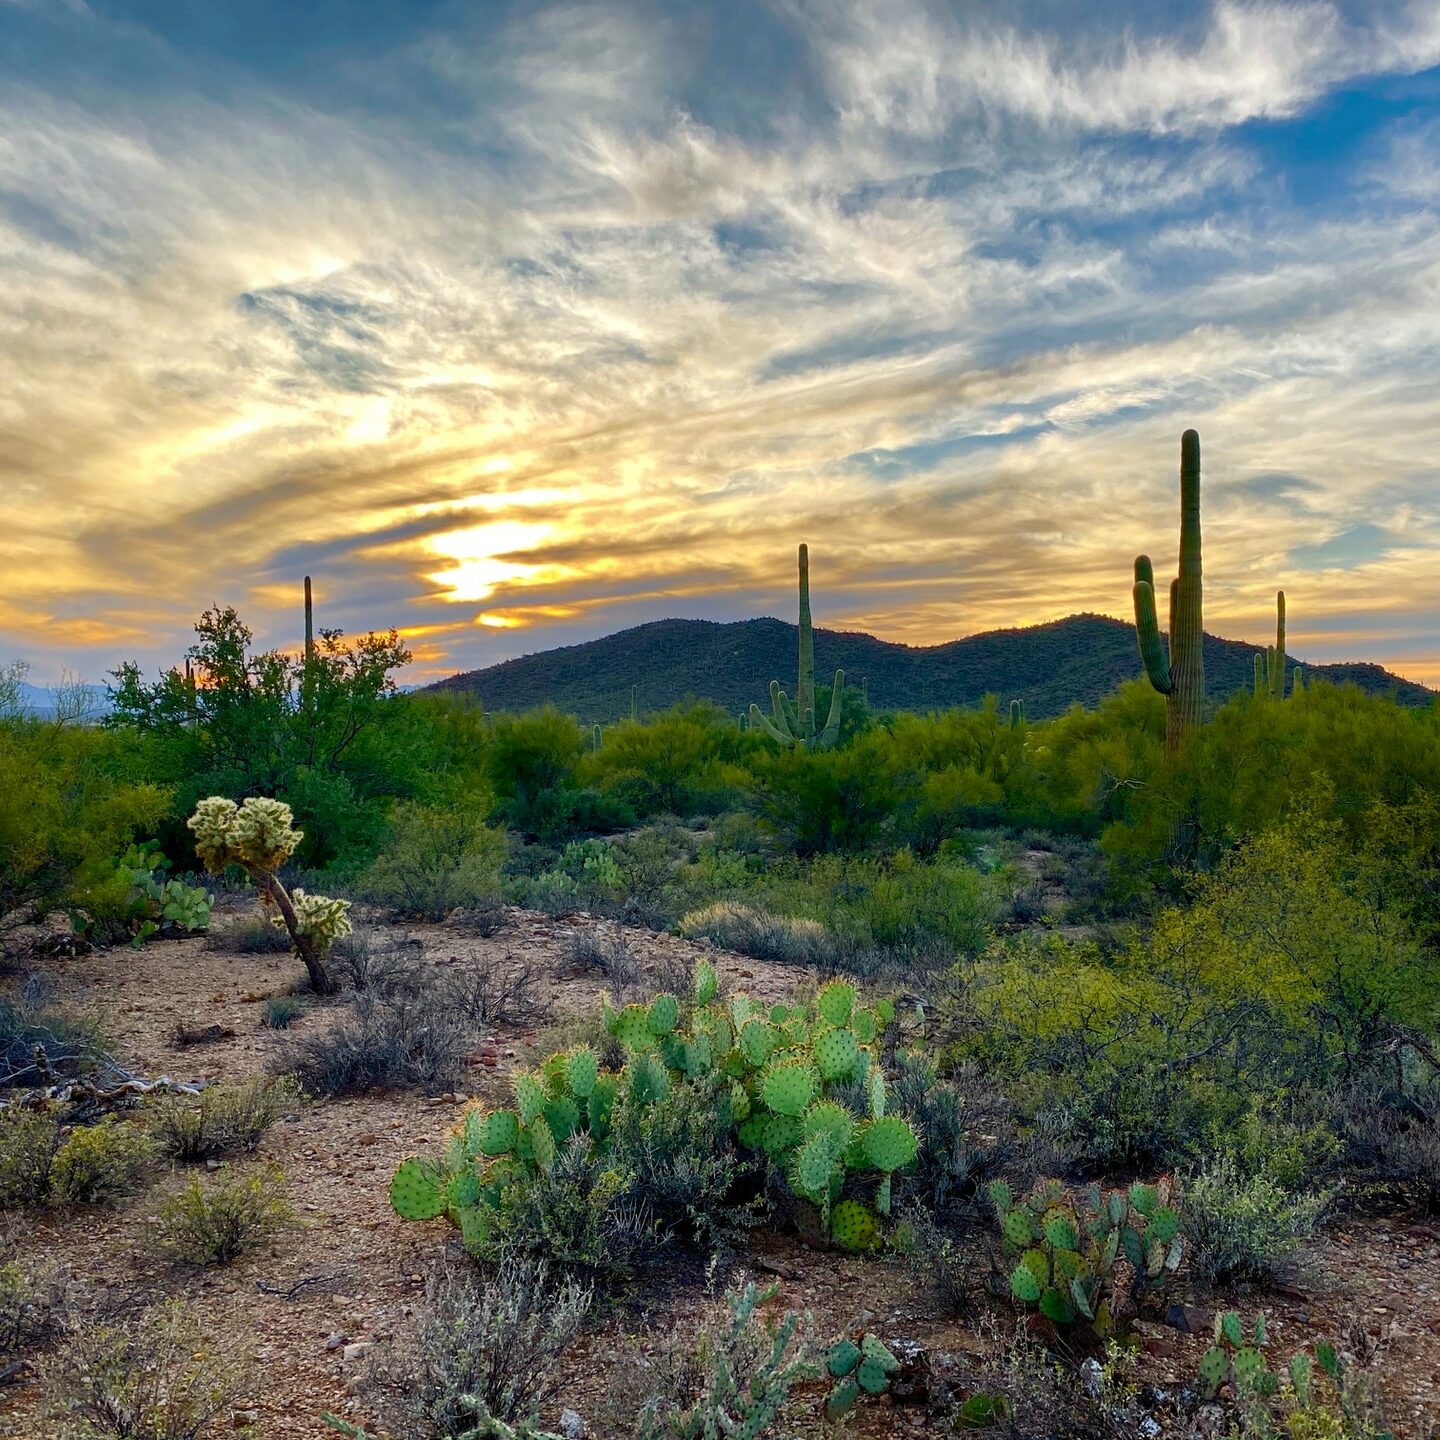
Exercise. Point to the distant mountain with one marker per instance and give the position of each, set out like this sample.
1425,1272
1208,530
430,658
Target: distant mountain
1050,667
91,701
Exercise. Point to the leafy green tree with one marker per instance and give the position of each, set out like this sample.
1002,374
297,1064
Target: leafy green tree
70,801
314,730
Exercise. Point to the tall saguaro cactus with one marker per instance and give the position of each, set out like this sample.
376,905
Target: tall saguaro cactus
1180,678
794,724
1270,667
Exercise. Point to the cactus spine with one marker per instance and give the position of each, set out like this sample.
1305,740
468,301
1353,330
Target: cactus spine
1181,679
794,724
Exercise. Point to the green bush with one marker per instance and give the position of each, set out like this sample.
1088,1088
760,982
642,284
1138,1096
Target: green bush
29,1140
584,1215
225,1119
102,1163
1244,1226
495,1338
435,860
1286,970
160,1376
34,1305
215,1223
69,801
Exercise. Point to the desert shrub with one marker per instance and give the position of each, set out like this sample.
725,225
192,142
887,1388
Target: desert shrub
552,892
823,801
34,1306
951,1161
1244,1226
749,930
495,1338
158,1377
679,763
250,936
102,1163
1391,1129
281,1011
1282,975
29,1140
386,1039
68,801
731,1375
364,961
223,1120
29,1022
215,1223
679,1156
435,860
583,1215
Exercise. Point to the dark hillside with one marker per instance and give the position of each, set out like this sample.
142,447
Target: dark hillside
1050,667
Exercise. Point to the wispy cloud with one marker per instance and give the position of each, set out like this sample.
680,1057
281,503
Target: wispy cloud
517,328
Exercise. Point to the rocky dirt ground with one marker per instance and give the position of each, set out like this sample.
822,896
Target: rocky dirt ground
311,1308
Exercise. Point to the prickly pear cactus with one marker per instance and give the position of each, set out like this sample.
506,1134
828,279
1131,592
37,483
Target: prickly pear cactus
417,1190
865,1368
1064,1252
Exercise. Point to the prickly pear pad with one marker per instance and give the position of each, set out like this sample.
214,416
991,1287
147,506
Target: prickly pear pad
417,1191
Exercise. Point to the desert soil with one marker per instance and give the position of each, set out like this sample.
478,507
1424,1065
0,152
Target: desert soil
352,1273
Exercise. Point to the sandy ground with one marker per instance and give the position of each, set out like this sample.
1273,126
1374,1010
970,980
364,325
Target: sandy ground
352,1273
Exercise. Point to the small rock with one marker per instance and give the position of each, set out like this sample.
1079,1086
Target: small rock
336,1340
1149,1428
242,1419
571,1425
368,1140
1092,1376
356,1351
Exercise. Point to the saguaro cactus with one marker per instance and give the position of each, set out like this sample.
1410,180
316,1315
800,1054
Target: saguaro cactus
309,626
1270,667
794,724
1181,677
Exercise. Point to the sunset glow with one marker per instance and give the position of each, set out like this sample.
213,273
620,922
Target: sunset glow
517,324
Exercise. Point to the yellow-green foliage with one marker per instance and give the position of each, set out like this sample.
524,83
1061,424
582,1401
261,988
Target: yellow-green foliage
212,1224
1285,967
100,1164
222,1120
260,832
435,860
161,1376
28,1142
66,801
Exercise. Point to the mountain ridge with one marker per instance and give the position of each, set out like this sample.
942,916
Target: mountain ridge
1050,666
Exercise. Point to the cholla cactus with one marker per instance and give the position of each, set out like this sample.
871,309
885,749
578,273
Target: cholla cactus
324,920
260,835
212,822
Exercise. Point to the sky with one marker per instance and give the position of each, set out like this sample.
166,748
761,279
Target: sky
517,324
